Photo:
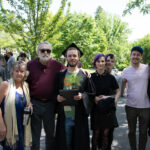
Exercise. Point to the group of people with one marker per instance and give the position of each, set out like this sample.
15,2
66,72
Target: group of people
41,86
6,63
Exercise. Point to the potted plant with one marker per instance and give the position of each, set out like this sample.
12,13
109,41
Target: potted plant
72,90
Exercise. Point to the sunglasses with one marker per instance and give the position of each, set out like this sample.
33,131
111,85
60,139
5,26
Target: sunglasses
45,50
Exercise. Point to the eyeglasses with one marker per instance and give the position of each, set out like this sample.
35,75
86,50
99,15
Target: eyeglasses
45,50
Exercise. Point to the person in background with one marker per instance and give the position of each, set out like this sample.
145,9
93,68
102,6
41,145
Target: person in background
106,87
63,60
6,54
14,96
10,63
110,63
138,104
2,68
22,57
72,132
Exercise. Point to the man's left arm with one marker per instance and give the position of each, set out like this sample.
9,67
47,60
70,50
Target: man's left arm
86,72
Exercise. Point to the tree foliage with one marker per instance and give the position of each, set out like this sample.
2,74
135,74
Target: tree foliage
100,34
81,29
6,41
116,32
32,22
27,19
142,5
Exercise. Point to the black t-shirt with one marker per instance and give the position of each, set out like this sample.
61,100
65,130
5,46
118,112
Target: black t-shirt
105,84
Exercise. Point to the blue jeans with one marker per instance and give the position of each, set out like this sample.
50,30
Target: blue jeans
69,125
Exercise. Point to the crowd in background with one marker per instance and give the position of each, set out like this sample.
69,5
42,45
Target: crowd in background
6,63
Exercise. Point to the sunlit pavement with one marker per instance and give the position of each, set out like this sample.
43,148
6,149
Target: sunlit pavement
120,135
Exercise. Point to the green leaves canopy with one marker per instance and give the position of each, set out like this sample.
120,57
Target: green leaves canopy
27,19
32,22
142,5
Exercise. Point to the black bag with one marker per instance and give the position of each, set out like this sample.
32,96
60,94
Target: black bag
148,90
106,105
88,96
91,88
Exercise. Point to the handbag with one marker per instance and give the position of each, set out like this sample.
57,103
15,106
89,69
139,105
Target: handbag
89,96
106,105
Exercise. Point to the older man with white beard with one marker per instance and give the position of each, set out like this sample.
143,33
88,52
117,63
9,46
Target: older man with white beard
42,71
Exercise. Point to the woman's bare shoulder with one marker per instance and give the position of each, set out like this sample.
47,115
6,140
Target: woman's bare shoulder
4,84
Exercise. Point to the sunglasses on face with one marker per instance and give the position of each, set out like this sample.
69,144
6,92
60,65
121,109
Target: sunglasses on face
45,50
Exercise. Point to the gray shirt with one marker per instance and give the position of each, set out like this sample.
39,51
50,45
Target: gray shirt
10,63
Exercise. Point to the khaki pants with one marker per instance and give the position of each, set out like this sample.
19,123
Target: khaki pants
143,117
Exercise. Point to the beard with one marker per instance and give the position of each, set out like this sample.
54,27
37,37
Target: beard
44,58
135,61
72,64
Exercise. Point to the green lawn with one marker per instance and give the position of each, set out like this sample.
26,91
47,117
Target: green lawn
91,70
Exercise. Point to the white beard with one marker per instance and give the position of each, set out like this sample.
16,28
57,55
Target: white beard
44,58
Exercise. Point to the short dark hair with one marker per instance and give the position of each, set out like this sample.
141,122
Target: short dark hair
137,48
112,56
23,55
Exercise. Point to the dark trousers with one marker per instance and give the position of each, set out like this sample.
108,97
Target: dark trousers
43,112
143,116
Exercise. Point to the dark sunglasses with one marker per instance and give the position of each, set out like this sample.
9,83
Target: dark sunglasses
45,50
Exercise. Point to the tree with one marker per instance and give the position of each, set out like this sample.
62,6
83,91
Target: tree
116,32
27,19
6,41
80,29
142,5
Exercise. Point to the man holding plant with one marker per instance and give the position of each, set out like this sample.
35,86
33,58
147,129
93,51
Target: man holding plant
72,131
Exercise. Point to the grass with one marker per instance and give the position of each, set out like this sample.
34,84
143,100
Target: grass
91,70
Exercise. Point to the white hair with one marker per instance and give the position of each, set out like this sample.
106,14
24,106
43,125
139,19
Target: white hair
42,43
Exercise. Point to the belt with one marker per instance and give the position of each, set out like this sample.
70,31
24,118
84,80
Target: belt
40,100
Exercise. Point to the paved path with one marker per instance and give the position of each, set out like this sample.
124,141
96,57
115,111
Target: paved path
120,135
